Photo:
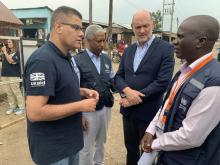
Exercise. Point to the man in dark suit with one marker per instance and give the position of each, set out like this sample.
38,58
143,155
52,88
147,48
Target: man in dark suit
143,75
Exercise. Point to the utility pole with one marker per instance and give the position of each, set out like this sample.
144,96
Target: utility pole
168,11
90,12
177,23
162,19
171,22
110,25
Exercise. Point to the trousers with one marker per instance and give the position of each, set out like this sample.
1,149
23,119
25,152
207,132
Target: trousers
133,133
95,137
71,160
13,91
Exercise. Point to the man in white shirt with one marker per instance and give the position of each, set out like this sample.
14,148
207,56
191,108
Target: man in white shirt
186,128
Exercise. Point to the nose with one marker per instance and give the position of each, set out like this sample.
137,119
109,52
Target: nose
81,34
142,29
102,43
174,42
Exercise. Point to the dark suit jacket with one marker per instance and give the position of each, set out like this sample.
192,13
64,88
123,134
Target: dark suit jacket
151,78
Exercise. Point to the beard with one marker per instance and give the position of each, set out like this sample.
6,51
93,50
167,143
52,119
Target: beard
143,39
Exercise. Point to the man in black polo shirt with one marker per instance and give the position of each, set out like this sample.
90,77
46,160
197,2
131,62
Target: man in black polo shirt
54,122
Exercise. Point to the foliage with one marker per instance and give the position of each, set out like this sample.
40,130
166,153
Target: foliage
157,17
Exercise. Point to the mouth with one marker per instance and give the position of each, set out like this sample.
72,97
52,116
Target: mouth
79,41
176,50
143,36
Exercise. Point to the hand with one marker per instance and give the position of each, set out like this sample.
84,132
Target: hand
89,93
133,96
85,123
146,142
125,103
88,105
4,50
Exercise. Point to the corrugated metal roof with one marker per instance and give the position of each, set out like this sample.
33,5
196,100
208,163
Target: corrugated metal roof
30,8
7,16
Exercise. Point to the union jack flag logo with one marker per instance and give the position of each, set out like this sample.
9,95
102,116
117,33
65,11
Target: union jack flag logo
37,76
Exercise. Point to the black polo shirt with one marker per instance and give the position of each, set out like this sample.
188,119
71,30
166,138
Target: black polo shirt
49,73
11,70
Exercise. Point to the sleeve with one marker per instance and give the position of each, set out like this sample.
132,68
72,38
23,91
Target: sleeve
40,78
16,57
119,79
112,73
164,75
202,117
152,126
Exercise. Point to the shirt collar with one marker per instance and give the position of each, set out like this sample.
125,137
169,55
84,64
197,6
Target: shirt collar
92,55
59,52
194,64
148,43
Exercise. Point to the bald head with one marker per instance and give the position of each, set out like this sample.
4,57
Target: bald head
141,14
196,37
142,26
203,26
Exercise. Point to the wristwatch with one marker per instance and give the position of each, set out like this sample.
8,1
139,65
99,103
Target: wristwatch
122,95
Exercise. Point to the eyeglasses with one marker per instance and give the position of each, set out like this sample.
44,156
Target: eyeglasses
74,26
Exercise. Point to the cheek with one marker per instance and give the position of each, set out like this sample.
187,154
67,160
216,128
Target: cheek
184,46
96,45
91,45
148,30
136,32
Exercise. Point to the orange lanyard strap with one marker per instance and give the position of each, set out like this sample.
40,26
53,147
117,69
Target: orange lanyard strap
179,83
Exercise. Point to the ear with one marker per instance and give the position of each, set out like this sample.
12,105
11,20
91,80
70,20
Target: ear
201,42
58,28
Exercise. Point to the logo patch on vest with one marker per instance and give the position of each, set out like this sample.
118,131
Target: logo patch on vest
37,79
107,68
183,101
183,104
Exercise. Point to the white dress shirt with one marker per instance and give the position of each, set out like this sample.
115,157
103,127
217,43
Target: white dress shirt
202,117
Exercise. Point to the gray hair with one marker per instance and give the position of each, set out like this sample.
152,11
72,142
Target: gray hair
91,30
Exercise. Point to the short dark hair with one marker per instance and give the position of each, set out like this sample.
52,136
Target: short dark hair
61,12
206,25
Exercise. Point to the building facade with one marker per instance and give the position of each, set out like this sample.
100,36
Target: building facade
36,21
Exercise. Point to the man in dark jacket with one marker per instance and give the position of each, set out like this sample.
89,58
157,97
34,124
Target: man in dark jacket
187,125
96,73
144,73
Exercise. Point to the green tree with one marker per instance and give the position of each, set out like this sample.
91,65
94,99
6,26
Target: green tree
157,17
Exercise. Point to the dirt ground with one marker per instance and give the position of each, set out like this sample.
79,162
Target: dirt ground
14,148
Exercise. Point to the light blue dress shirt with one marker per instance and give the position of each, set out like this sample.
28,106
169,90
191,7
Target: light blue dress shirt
141,52
97,62
76,69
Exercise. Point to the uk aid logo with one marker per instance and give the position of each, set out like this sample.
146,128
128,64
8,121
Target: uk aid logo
37,79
